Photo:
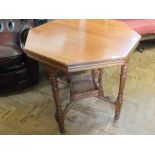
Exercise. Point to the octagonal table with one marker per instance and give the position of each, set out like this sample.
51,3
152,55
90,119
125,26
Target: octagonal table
76,45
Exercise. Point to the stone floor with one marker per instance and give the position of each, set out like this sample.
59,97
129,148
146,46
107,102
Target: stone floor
32,111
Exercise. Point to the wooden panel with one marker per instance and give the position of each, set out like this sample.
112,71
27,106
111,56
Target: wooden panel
74,42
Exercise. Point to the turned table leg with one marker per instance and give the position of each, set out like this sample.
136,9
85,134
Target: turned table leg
59,114
98,74
119,101
100,82
93,73
71,88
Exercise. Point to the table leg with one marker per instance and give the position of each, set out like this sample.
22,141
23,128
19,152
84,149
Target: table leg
119,101
71,89
93,73
59,115
100,81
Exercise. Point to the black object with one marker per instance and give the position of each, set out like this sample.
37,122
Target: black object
17,71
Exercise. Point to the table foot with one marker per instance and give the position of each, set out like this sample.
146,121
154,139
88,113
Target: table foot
117,115
116,123
60,122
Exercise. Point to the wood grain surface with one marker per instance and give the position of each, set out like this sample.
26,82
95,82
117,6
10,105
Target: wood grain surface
75,44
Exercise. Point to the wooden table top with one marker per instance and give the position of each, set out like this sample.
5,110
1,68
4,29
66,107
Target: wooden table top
75,45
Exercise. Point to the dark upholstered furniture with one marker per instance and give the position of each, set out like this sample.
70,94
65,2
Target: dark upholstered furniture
17,71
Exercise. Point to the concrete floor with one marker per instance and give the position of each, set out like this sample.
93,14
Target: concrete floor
32,111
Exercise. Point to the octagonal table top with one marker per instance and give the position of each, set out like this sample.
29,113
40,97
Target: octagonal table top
81,44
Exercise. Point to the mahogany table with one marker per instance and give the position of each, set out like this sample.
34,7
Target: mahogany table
77,45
